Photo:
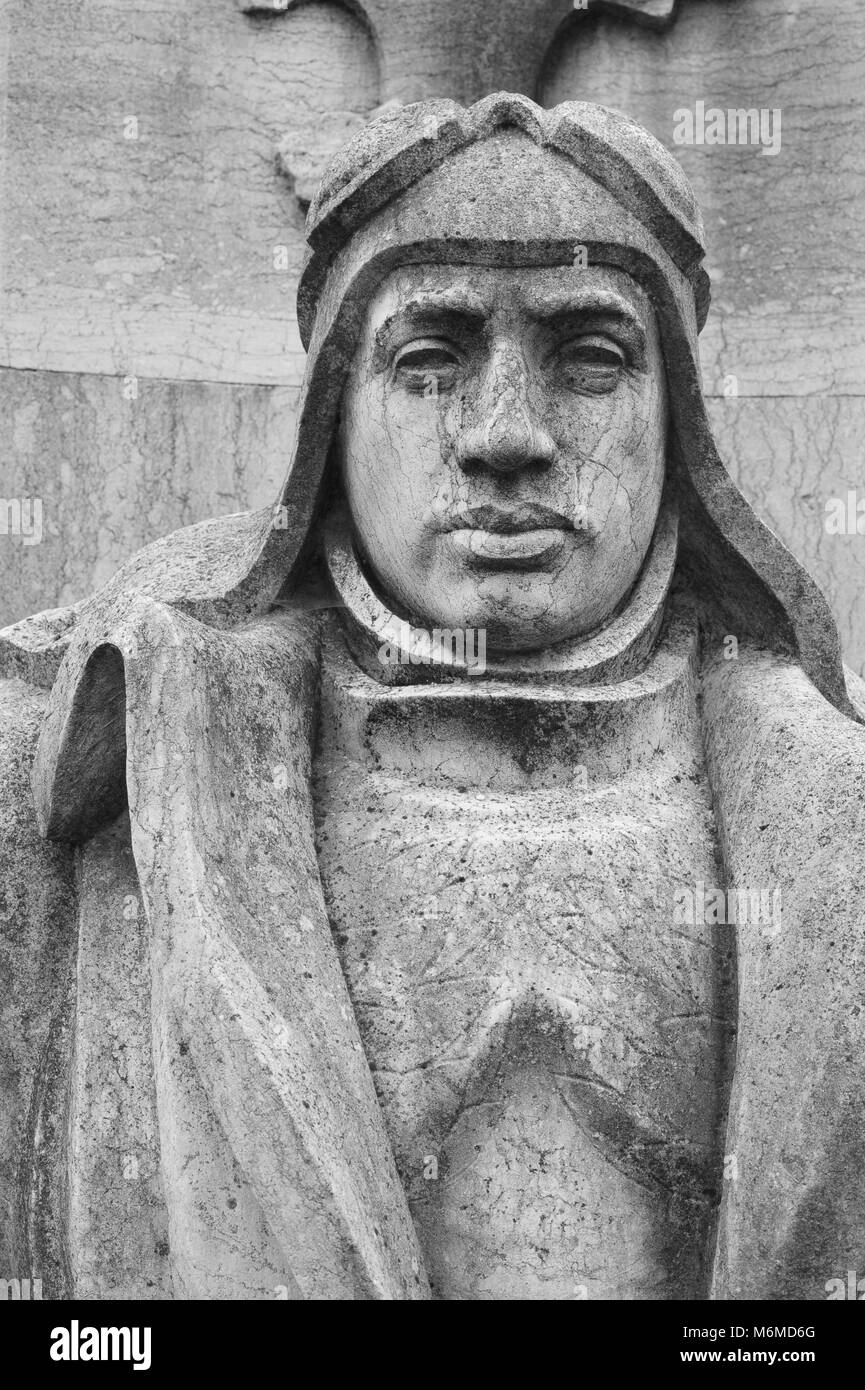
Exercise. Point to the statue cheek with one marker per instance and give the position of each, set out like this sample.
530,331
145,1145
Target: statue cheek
408,426
593,427
599,498
622,429
449,425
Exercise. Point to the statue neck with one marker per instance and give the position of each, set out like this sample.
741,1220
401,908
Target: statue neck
395,652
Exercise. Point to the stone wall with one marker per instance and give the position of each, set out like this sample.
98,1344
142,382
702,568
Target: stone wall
157,159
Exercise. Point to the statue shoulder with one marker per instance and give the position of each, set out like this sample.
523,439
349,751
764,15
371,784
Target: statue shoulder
763,705
200,568
31,650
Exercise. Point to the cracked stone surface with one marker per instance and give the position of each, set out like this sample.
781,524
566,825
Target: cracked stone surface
327,978
174,255
430,410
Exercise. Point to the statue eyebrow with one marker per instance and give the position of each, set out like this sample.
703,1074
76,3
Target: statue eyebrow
597,311
463,308
454,299
457,305
595,300
596,304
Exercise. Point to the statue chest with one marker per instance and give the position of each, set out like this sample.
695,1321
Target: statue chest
547,1045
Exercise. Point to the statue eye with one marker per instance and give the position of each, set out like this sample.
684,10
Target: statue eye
592,363
427,367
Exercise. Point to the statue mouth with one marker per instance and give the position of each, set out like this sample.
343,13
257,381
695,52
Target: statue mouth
527,549
508,521
524,536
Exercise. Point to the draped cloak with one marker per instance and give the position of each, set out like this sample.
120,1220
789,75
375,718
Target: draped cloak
187,1110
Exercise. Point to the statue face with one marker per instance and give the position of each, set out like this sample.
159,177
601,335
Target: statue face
503,446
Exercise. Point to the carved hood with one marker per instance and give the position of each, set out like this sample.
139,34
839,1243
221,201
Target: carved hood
509,183
503,182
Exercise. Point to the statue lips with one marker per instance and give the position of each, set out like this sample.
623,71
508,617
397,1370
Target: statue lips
524,536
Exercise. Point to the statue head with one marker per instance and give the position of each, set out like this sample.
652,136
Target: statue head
501,453
501,307
502,423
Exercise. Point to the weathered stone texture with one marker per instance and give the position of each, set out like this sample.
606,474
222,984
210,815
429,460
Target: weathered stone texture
116,473
174,255
420,986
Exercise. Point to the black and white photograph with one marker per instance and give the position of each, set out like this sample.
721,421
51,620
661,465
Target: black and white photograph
432,668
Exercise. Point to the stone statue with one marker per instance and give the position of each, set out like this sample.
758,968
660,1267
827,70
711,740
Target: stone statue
467,50
443,884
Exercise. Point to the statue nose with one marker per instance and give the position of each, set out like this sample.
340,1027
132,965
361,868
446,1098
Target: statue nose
506,438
